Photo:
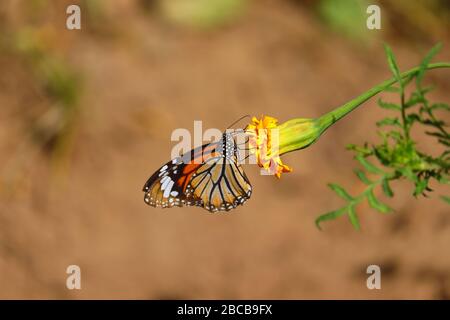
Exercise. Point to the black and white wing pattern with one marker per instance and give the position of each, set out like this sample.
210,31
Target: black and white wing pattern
209,177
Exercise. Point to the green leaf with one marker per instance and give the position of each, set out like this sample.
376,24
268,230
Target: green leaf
340,191
393,64
389,122
415,99
440,106
369,167
444,142
438,134
425,62
446,199
408,173
362,176
397,136
362,150
433,123
353,217
386,188
388,105
376,204
413,117
420,187
423,91
329,216
443,180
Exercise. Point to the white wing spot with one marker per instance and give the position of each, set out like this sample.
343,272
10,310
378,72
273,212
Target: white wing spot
162,173
168,189
165,182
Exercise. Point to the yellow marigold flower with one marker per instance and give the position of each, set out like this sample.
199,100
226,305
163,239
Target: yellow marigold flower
263,145
268,140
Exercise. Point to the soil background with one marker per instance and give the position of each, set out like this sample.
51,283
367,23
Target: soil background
142,74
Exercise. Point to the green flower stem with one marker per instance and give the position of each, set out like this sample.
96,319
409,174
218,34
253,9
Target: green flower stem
299,133
328,119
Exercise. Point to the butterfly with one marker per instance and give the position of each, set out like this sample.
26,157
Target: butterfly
209,176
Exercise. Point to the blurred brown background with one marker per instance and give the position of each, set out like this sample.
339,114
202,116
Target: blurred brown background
86,117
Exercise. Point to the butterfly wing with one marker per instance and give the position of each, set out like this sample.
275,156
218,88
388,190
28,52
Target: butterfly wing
161,189
221,184
168,186
210,178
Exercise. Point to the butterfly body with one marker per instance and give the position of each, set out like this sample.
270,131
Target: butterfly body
209,176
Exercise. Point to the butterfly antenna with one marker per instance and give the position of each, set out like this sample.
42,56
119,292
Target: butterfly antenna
243,117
